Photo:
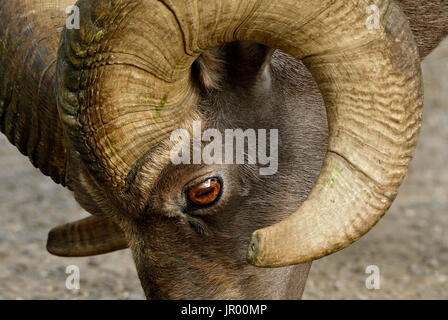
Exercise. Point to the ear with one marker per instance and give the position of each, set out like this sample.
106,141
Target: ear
87,237
248,62
428,20
234,64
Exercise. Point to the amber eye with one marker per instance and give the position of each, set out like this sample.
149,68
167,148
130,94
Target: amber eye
205,192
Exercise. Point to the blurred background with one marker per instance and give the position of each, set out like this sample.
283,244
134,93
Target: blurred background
409,245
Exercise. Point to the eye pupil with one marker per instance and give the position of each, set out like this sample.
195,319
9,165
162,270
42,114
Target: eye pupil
205,192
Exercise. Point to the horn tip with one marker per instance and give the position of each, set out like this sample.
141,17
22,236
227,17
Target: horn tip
256,256
52,244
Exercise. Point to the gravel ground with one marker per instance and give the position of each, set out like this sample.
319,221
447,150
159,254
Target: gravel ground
409,245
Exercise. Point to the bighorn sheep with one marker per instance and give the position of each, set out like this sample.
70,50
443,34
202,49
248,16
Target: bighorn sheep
94,109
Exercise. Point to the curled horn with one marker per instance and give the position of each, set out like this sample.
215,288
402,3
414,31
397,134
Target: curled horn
120,95
30,32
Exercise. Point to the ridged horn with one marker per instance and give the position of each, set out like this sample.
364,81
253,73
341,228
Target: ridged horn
30,33
124,83
86,237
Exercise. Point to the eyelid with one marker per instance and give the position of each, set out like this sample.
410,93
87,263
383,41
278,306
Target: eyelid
202,178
